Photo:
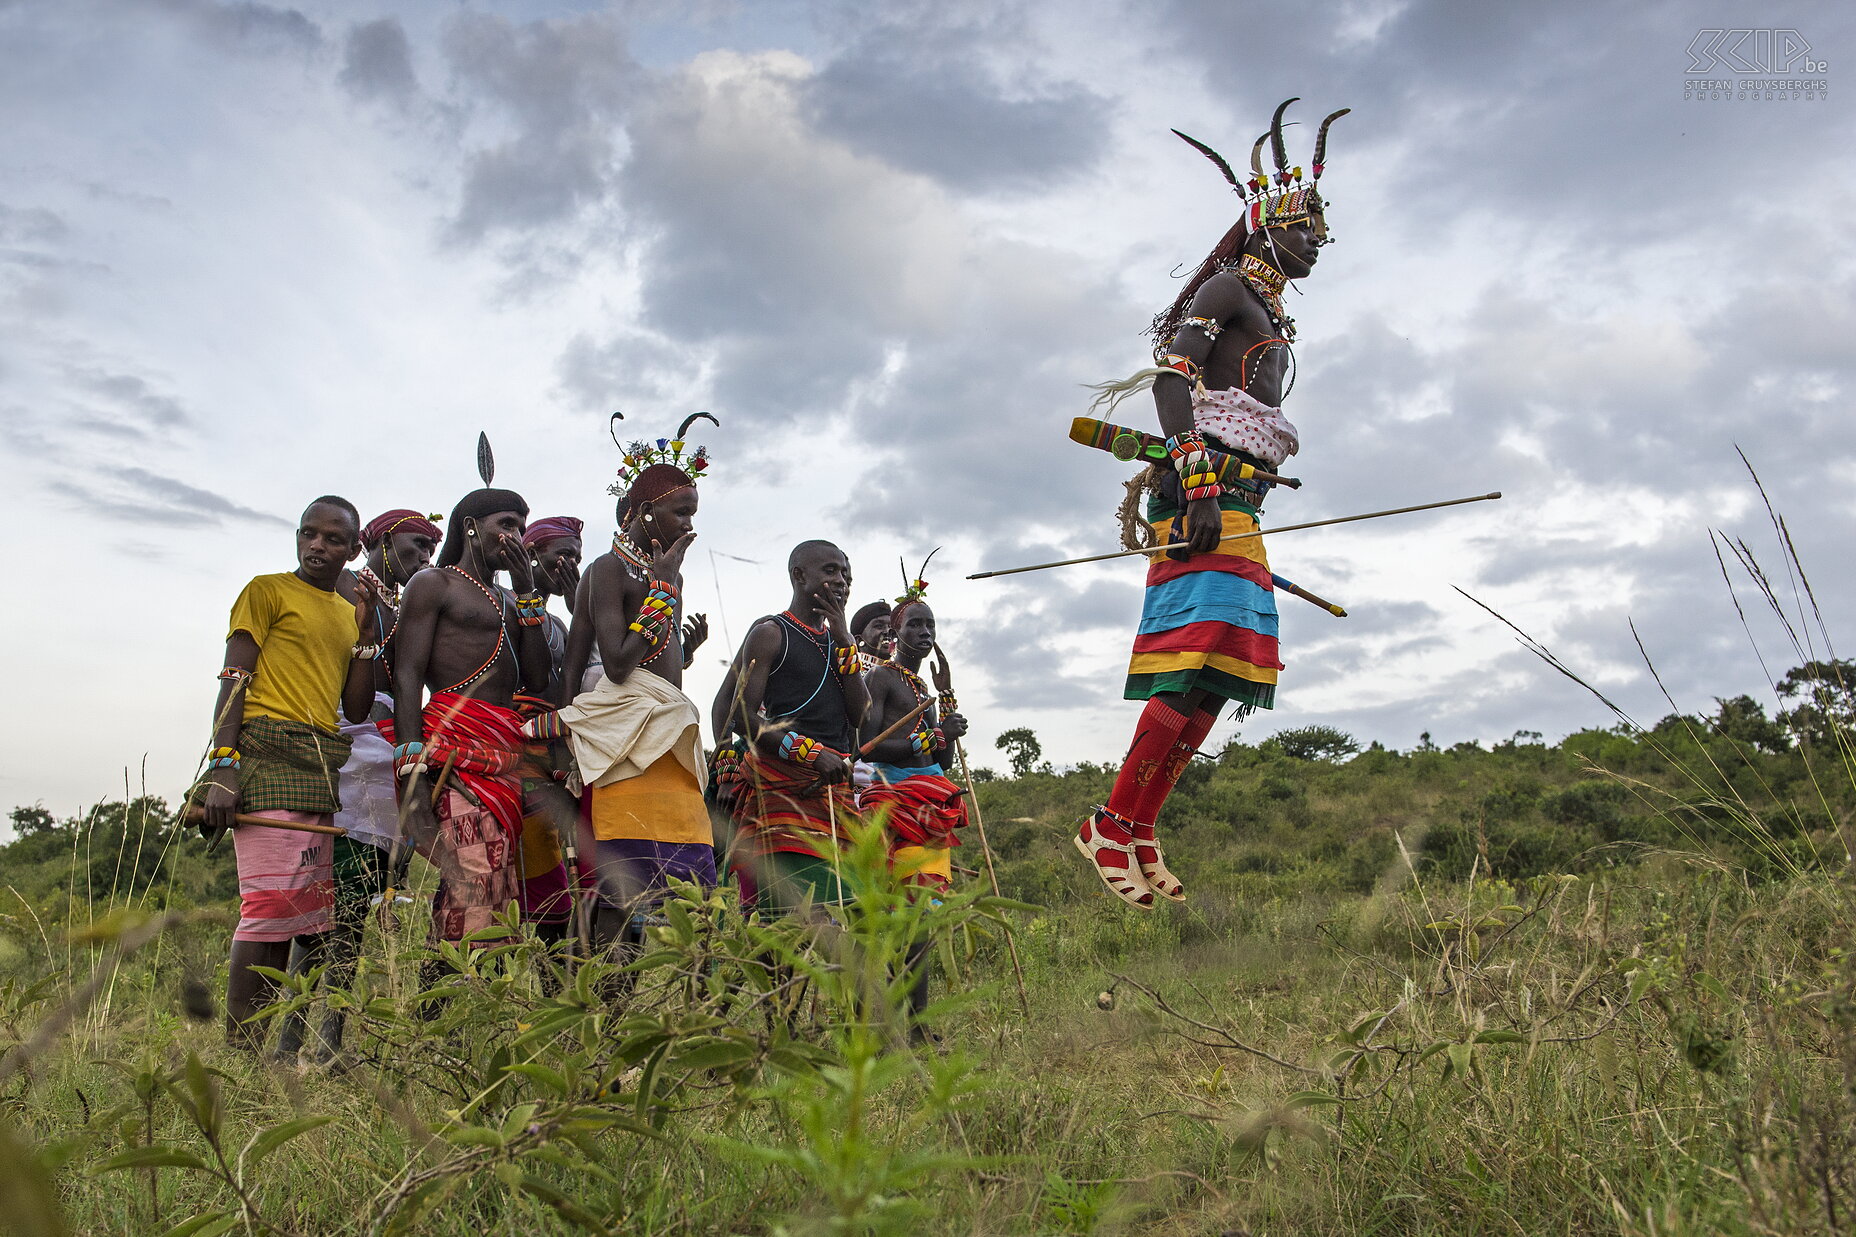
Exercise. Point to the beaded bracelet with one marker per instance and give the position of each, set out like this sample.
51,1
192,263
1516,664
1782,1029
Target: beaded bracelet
849,662
921,742
407,749
1194,465
223,762
236,674
948,704
531,610
365,652
940,739
224,751
799,749
412,766
656,613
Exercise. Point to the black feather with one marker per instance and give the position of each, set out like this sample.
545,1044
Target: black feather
486,461
1321,139
1211,154
1277,149
684,429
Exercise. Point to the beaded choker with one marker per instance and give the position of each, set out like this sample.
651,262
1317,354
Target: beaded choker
1268,283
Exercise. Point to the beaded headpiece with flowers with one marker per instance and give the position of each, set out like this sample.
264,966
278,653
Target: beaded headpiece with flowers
640,454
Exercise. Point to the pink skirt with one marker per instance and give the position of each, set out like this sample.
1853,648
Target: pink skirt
286,883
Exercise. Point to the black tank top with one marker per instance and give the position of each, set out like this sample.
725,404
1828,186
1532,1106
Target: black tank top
803,687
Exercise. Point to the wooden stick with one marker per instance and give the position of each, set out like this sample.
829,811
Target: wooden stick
1288,586
1011,943
265,822
1261,532
898,724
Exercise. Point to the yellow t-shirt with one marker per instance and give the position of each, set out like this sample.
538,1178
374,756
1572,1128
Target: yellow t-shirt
305,640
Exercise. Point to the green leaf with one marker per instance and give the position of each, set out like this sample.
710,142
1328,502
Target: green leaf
150,1157
1310,1099
1360,1028
716,1054
1461,1057
474,1136
266,1141
1713,986
28,1199
211,1224
207,1112
564,1206
553,1080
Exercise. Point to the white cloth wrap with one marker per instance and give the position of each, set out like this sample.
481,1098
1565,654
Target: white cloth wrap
618,730
370,800
1242,421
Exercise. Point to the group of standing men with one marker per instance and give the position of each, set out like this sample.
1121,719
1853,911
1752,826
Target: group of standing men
418,706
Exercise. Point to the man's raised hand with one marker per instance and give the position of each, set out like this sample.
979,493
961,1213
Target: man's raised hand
515,558
668,564
695,632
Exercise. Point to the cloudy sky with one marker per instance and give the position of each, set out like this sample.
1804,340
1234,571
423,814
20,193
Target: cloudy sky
250,253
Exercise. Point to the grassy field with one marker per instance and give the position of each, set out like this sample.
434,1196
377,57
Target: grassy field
1600,986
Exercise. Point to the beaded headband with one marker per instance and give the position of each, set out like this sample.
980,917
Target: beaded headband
640,454
1274,202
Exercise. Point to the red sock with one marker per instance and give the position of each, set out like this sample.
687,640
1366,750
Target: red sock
1154,738
1152,797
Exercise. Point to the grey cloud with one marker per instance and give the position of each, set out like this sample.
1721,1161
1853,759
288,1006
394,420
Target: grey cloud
247,24
563,84
946,119
134,394
30,225
377,61
145,497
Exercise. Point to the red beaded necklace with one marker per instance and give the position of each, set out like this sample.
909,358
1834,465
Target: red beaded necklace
502,629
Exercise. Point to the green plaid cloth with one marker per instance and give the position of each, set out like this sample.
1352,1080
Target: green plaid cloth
285,767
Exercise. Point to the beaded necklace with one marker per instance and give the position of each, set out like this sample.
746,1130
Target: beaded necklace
1268,283
502,629
814,634
641,567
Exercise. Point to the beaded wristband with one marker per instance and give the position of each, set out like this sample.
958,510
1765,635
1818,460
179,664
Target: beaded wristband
921,742
224,751
365,652
940,739
849,662
948,704
799,749
407,749
410,768
223,762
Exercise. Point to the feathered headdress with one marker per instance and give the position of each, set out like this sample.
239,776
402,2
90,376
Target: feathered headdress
913,589
1275,201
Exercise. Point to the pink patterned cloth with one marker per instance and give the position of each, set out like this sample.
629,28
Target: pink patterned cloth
286,878
1240,420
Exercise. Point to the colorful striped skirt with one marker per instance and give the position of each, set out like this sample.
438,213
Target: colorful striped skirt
1208,622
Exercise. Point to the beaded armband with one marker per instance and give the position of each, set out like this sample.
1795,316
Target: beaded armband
365,652
799,749
1184,366
546,727
656,614
1194,465
236,674
1211,326
531,610
849,662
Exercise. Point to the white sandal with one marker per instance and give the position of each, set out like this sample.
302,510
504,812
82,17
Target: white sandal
1113,858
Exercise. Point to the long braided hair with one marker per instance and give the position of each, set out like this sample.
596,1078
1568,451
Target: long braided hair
1166,323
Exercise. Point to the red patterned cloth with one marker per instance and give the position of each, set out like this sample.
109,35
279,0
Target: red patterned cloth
920,811
483,744
780,806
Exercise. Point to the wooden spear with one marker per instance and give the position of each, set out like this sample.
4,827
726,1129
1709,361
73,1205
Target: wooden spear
265,822
1261,532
